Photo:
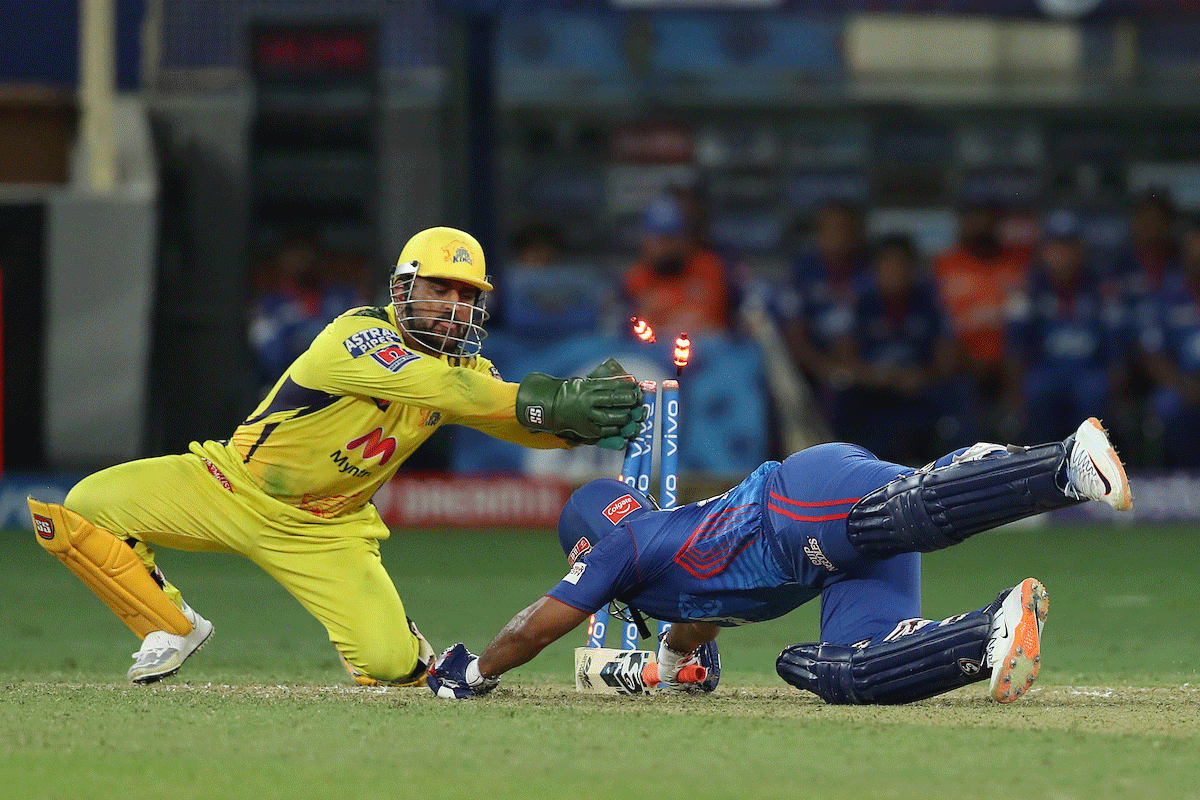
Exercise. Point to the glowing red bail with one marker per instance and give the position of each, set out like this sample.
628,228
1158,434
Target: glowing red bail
683,352
642,330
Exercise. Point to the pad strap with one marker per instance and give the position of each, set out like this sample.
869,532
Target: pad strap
935,659
109,567
936,508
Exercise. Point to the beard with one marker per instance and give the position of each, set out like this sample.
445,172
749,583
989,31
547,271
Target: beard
425,331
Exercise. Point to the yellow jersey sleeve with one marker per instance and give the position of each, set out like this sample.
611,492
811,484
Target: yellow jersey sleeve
363,353
354,406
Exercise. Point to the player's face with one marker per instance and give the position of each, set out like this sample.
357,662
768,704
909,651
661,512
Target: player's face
837,233
1063,259
895,273
439,311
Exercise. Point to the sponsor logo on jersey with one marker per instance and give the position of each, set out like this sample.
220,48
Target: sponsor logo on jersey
816,555
374,444
430,418
621,508
44,526
576,573
495,372
969,666
365,341
343,464
216,473
581,547
393,357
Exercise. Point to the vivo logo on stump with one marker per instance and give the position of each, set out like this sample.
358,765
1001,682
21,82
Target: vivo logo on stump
374,444
620,508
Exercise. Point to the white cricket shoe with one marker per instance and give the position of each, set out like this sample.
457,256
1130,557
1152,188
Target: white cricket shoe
163,653
1014,649
1094,471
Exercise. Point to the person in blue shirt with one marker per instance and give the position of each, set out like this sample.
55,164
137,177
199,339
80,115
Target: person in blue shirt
1169,337
831,521
900,355
300,295
1068,338
817,306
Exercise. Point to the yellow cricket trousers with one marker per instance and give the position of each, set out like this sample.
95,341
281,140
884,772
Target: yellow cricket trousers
200,501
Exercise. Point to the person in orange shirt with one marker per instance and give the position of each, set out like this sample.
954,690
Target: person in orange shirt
976,278
677,285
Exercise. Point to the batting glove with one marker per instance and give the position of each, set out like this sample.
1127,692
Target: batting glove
455,675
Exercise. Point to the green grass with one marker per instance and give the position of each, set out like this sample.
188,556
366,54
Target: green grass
264,711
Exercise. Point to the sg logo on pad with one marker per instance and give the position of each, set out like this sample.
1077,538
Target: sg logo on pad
44,526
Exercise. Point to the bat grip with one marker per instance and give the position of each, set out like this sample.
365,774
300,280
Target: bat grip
693,673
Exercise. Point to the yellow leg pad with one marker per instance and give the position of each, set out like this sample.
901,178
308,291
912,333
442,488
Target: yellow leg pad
109,567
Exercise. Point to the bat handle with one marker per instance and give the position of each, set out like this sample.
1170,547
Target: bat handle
693,673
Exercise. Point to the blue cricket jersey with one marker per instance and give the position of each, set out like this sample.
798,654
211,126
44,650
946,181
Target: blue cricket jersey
754,553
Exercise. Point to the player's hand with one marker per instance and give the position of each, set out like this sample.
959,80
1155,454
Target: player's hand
670,662
455,675
583,410
610,368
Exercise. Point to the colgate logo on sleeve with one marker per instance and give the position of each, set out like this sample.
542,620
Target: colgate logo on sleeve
620,508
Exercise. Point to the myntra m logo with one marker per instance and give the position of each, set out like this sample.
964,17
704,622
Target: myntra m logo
372,445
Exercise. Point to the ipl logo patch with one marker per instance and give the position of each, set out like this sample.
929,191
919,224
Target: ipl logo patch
621,508
44,526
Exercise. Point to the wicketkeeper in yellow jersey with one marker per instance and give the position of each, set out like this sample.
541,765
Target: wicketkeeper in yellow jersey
291,489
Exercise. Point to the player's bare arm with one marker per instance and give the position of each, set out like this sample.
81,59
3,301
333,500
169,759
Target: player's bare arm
527,634
459,674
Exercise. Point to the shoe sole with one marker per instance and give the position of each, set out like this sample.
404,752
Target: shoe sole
155,677
1017,671
1119,496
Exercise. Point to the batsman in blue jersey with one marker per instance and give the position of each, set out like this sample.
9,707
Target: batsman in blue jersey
830,521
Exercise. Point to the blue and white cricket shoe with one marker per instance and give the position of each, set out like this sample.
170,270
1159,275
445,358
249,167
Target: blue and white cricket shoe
1094,471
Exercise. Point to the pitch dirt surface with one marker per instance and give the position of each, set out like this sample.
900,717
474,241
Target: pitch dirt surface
264,711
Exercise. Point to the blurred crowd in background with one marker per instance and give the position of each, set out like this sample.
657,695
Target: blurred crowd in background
909,353
911,224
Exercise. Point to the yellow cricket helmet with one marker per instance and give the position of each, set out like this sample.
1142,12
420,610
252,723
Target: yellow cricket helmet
447,254
454,329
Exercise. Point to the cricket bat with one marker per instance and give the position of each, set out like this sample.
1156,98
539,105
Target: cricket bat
605,670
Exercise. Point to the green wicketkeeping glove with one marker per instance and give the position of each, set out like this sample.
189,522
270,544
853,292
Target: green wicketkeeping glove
611,368
600,409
